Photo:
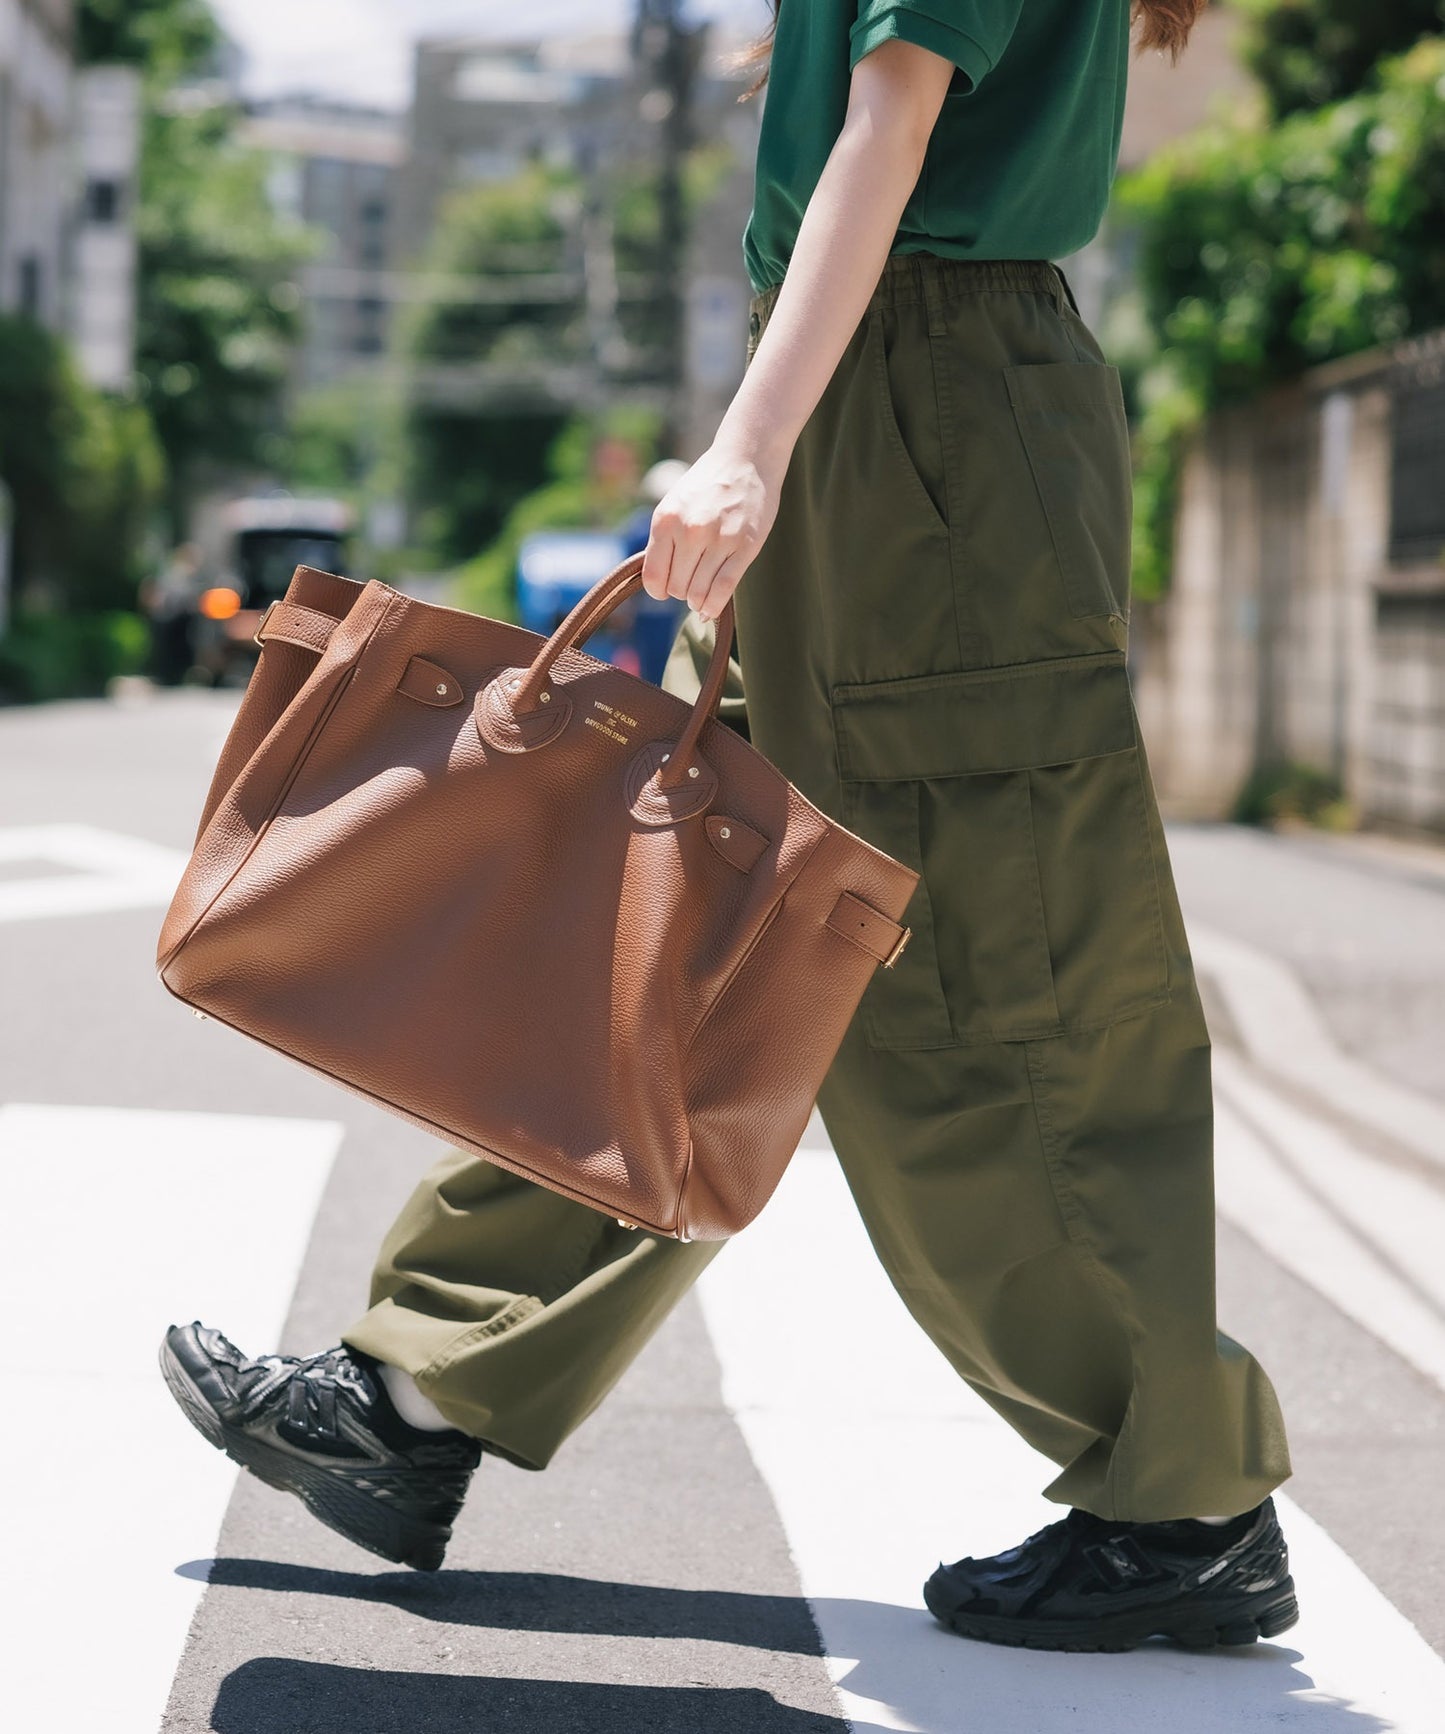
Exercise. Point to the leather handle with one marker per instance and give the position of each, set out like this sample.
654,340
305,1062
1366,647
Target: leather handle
605,595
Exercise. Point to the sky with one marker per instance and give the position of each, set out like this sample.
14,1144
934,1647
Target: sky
361,49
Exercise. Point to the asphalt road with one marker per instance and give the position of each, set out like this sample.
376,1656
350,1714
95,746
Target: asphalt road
723,1546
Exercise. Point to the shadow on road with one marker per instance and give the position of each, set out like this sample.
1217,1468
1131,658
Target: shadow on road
270,1694
901,1658
541,1602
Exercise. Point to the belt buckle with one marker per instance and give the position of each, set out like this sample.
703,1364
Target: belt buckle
261,623
897,951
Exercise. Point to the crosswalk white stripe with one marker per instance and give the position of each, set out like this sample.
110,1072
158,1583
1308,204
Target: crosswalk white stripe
881,1461
1283,1030
1361,1231
101,870
122,1221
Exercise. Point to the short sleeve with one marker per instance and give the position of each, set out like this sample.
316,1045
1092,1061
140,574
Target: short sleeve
970,33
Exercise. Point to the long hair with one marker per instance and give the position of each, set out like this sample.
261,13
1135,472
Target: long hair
1165,25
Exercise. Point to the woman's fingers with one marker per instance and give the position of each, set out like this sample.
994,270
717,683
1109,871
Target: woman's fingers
720,587
672,561
657,562
703,578
706,530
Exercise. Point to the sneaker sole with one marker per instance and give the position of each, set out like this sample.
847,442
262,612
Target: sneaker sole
326,1494
1198,1626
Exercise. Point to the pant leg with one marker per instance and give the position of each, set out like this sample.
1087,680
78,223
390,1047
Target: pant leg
1047,1215
932,644
516,1310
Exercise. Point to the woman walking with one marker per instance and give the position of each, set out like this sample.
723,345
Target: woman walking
924,480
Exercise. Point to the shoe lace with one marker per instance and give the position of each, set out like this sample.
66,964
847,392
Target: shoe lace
315,1387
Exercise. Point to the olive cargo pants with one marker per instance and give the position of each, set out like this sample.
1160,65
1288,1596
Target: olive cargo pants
932,640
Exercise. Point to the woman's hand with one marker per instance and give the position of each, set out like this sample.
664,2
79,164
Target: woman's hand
708,527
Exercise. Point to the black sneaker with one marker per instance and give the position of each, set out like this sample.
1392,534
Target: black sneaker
1087,1583
325,1429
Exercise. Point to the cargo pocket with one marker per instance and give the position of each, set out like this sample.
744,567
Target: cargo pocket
1071,421
1017,794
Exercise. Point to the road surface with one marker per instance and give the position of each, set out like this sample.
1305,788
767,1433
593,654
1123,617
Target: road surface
737,1540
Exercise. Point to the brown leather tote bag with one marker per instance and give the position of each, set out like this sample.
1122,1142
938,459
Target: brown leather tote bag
525,900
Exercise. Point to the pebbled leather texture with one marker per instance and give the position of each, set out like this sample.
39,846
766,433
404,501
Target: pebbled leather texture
735,841
429,683
483,937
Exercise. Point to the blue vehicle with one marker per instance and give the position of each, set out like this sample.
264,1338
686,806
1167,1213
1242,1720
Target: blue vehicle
556,568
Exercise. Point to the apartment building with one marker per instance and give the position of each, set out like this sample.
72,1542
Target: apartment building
36,95
337,167
102,268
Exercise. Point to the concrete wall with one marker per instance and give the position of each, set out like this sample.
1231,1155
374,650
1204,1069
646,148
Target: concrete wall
1290,633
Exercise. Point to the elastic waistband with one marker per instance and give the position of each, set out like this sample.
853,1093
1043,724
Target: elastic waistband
931,277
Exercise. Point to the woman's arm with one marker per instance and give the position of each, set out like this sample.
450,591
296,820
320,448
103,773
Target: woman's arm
707,529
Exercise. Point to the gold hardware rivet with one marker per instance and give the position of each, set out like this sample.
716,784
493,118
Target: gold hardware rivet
441,689
546,697
692,770
723,832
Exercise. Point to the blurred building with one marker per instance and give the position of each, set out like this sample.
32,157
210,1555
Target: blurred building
483,109
339,169
102,290
69,150
36,93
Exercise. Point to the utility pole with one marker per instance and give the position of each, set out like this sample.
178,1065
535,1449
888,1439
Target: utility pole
666,52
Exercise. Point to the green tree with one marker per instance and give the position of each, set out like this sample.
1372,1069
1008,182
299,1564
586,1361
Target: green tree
218,309
170,38
1306,53
83,470
1264,249
335,437
469,462
472,467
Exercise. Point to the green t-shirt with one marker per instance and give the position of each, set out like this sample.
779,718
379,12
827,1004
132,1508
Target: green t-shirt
1023,153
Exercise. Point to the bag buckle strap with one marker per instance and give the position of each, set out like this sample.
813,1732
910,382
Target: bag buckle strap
295,623
261,623
868,929
897,951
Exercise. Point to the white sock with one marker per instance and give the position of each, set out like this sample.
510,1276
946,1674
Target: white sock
411,1403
